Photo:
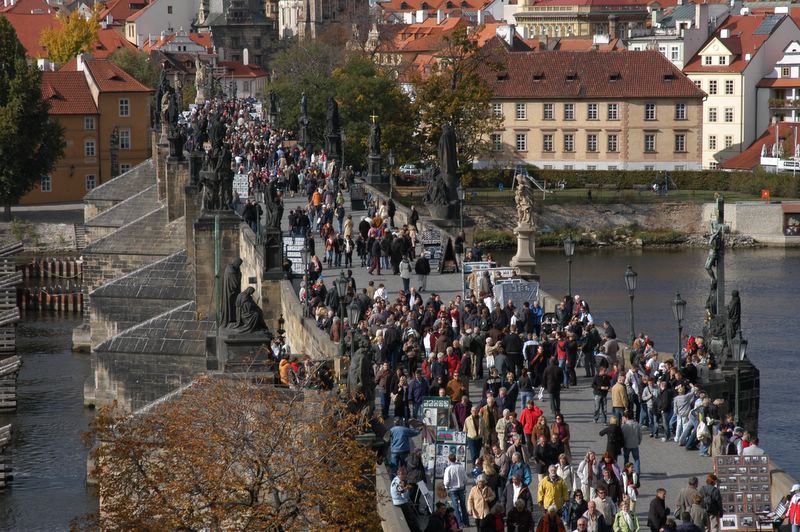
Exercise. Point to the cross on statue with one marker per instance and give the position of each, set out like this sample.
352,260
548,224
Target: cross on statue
715,263
374,117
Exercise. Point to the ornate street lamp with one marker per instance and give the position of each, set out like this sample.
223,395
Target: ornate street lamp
353,313
569,251
739,354
341,290
630,284
678,310
306,280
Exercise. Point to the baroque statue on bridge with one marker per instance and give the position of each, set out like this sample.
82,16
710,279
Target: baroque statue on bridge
524,198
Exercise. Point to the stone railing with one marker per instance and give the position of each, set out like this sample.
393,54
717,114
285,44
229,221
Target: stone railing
302,333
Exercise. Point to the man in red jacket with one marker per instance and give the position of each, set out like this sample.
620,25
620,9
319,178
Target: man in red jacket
529,416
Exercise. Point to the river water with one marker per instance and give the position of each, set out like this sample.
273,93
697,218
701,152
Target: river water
50,461
768,281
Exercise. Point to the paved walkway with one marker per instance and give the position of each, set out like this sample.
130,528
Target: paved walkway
663,465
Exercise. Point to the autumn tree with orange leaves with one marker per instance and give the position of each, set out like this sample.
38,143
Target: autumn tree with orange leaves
231,455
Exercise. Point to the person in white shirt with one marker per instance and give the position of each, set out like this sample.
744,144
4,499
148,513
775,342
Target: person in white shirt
753,449
455,482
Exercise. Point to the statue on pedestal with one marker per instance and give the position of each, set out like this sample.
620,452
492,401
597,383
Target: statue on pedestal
224,178
361,377
163,86
441,195
375,137
273,207
249,316
200,81
304,136
524,198
231,287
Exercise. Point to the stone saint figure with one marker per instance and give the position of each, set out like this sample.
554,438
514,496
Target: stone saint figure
273,211
715,242
523,196
249,317
448,160
361,378
735,313
332,115
374,139
231,287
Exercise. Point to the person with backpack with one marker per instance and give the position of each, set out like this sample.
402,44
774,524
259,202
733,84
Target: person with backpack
712,502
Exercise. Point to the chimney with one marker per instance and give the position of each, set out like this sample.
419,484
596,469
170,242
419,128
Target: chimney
724,33
439,16
480,17
422,14
654,18
163,35
612,26
246,56
109,19
701,16
79,63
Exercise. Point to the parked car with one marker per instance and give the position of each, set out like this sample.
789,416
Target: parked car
409,169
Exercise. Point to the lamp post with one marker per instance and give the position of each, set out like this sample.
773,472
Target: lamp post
341,290
391,178
630,284
353,313
569,251
461,196
678,310
341,142
306,281
739,352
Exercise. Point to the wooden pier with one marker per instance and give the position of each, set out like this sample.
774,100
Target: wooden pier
50,284
5,457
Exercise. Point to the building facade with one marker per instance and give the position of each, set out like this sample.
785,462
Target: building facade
160,16
98,104
237,25
595,111
728,68
582,18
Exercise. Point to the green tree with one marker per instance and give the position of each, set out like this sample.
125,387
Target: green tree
30,142
75,35
364,91
454,93
138,65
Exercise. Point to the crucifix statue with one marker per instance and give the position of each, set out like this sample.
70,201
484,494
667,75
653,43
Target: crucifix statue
715,263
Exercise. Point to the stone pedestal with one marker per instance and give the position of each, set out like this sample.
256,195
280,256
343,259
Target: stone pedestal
163,140
195,165
374,170
333,147
234,352
203,256
177,179
525,259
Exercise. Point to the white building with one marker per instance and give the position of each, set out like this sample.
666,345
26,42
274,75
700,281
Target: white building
779,89
728,67
160,16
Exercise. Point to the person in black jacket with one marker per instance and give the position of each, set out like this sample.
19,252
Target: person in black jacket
657,516
422,268
551,380
513,346
615,440
663,406
414,217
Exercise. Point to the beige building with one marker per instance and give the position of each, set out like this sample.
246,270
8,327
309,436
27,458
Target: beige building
581,18
595,111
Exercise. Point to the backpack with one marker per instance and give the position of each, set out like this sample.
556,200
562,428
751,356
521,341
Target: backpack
709,504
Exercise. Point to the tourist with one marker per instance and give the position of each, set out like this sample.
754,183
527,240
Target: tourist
601,384
663,406
568,474
589,472
632,438
595,520
686,496
552,382
472,428
400,443
630,484
479,502
517,491
615,439
657,514
552,490
625,520
712,502
576,507
605,506
686,524
437,520
647,415
610,484
422,268
519,518
455,482
551,522
698,513
400,492
405,273
619,397
793,509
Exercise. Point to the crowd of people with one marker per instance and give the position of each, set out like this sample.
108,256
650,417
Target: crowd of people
422,346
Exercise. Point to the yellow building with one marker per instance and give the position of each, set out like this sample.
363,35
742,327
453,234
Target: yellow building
594,111
91,99
581,18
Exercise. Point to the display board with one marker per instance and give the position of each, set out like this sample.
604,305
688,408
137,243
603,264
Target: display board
241,186
517,290
293,247
746,489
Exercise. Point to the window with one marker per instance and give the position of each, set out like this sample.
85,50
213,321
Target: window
591,142
124,139
662,50
674,53
613,111
591,167
649,111
548,111
569,167
569,142
89,148
650,142
169,10
522,113
46,183
680,111
497,142
723,60
712,142
712,114
569,111
679,168
728,141
547,142
591,111
728,86
612,143
680,142
729,114
89,123
246,86
612,167
713,166
124,107
712,86
91,181
785,72
649,168
698,84
124,167
497,110
522,141
707,60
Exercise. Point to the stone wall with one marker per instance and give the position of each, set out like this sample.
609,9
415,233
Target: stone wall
302,334
761,220
109,315
177,179
203,257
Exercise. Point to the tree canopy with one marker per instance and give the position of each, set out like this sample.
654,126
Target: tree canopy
138,65
455,94
30,142
75,35
231,455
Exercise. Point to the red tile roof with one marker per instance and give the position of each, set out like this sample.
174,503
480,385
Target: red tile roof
109,77
120,10
26,7
589,3
68,93
109,41
779,83
751,157
201,39
29,29
433,5
235,69
620,74
742,40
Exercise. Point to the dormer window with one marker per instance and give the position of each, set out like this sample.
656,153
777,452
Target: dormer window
615,76
502,76
708,60
403,5
538,76
669,77
572,76
424,5
723,60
